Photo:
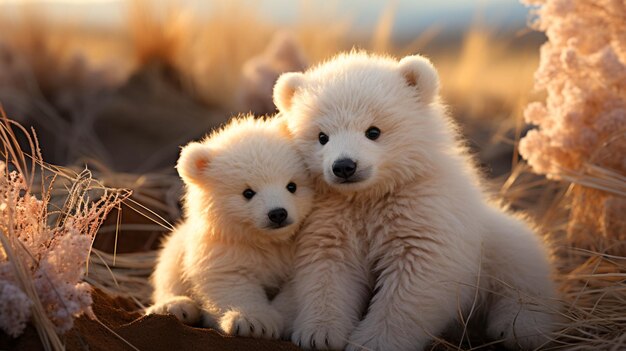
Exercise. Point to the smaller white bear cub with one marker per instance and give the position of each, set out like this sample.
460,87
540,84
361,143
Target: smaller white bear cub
246,194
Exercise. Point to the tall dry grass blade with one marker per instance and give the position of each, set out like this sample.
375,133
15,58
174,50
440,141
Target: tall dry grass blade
116,334
596,177
117,228
16,253
32,237
159,33
381,39
128,278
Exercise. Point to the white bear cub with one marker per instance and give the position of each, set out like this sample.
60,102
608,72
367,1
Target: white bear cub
247,192
402,239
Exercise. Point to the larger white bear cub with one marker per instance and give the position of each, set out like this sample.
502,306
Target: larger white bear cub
402,238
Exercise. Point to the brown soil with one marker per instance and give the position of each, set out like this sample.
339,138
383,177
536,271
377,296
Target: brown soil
117,316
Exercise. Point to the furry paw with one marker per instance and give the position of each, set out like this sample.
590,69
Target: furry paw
320,335
361,340
286,306
524,328
267,323
376,334
182,307
376,337
210,320
369,345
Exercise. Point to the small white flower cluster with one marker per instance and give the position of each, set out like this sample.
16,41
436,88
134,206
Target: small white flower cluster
53,254
582,124
583,71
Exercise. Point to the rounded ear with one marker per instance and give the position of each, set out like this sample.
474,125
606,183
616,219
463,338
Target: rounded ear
193,162
280,122
421,74
285,88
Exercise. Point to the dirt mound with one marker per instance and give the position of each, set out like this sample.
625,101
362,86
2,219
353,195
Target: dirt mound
119,316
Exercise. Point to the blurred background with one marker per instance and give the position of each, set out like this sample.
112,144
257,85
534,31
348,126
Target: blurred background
119,86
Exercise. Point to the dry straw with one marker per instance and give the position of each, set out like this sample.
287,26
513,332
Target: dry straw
41,237
582,123
581,140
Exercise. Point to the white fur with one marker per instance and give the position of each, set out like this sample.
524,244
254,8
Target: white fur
219,262
388,262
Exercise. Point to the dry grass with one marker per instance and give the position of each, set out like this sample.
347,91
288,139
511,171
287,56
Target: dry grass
14,251
209,53
65,197
592,282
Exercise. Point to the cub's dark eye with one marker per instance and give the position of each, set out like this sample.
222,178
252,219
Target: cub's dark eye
323,138
292,187
372,133
248,193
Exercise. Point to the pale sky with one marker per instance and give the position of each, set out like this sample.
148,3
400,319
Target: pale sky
410,15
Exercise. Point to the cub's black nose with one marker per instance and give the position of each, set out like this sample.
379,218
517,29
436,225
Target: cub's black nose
277,215
344,168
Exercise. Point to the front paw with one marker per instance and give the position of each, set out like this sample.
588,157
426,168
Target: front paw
182,307
320,335
525,330
362,339
266,323
377,334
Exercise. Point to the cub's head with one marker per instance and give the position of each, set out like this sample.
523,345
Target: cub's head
248,179
364,122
